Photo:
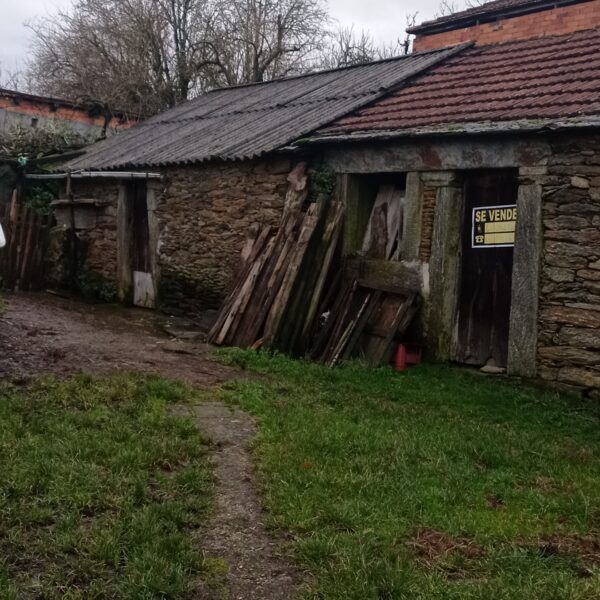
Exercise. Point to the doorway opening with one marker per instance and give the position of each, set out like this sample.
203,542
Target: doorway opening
375,216
139,245
488,241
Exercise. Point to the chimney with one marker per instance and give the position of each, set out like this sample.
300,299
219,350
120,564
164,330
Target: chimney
506,20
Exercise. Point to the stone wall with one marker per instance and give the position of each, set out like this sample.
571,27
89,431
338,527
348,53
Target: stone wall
569,318
203,215
95,212
97,226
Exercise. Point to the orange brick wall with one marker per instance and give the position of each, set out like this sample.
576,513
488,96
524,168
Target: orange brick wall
556,21
61,113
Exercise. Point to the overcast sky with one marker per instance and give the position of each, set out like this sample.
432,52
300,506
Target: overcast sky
384,18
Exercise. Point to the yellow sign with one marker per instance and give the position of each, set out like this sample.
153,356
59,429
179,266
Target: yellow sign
494,226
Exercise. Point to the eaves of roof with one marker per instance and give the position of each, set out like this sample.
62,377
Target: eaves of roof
458,129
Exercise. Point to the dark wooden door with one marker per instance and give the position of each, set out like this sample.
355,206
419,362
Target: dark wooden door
141,263
487,260
140,251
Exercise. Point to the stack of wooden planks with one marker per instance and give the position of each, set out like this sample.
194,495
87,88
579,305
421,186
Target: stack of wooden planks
367,318
275,298
297,295
276,268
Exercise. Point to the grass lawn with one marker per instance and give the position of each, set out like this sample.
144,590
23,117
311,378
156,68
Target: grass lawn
437,483
99,491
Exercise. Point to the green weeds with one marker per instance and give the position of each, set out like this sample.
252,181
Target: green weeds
437,483
100,491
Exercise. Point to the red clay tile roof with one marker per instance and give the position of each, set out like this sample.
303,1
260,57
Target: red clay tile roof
487,12
546,78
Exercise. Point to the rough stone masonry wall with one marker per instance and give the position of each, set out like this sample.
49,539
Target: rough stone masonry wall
203,217
96,235
569,321
100,242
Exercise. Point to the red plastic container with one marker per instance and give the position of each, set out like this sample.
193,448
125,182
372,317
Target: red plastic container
407,356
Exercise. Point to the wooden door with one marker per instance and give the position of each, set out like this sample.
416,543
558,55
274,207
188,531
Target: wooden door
141,264
487,261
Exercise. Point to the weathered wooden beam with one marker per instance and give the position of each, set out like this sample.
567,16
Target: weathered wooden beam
440,154
152,196
523,336
125,273
444,271
386,276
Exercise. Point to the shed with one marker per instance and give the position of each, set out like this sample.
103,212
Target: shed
173,197
489,148
500,150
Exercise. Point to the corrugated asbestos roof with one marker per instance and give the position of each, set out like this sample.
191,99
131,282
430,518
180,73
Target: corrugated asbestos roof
541,79
488,11
249,121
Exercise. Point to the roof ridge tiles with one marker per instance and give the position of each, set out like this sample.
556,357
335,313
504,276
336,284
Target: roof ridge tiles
337,69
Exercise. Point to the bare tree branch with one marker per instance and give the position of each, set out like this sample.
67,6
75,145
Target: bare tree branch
144,56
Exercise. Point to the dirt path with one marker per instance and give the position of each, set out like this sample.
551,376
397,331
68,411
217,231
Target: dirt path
41,334
237,533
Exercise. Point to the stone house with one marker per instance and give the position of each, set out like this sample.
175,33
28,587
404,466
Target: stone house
164,208
492,145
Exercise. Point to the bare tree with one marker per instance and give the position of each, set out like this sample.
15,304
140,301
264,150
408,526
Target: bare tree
345,47
449,7
144,56
14,79
256,40
136,55
147,55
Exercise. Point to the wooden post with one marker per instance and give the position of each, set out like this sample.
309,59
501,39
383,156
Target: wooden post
153,191
445,269
125,272
73,236
13,242
24,281
523,336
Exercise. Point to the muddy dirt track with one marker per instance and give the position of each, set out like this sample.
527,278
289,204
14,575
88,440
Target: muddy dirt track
44,334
